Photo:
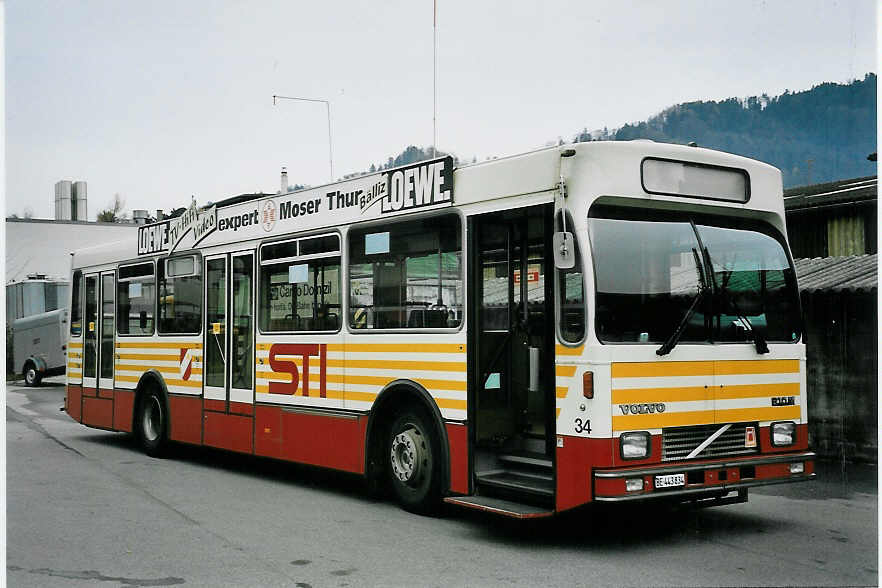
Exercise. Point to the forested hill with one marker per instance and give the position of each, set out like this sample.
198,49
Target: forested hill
815,136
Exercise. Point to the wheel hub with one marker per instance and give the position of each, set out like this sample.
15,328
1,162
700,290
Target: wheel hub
408,455
152,419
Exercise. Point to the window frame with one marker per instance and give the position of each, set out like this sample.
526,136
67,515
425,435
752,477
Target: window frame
298,258
398,220
739,170
558,303
119,268
76,290
198,261
603,209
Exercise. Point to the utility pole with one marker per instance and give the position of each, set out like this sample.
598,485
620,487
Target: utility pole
434,76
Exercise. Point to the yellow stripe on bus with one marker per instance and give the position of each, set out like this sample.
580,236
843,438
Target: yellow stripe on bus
176,357
662,369
156,345
386,364
761,366
168,381
756,390
451,403
380,364
680,394
693,393
387,347
657,369
369,397
380,381
561,391
383,380
74,344
566,371
160,369
703,417
564,350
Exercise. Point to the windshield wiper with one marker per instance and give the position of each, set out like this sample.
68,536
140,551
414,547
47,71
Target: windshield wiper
674,338
758,340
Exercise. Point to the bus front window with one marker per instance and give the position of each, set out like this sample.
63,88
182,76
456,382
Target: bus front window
650,269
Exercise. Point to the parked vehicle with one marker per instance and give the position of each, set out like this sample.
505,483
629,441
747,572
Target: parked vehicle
39,345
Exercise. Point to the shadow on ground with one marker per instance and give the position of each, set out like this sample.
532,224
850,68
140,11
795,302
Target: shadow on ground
599,527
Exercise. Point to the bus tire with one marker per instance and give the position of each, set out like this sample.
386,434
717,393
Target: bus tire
32,377
151,423
413,461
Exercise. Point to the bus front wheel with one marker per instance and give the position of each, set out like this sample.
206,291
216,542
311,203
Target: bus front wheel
413,462
151,423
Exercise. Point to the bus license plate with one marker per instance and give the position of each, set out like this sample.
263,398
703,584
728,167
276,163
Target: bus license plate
670,481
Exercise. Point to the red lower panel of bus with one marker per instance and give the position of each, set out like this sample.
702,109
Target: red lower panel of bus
123,409
327,441
98,412
105,393
214,405
575,457
457,436
186,419
228,431
241,408
75,402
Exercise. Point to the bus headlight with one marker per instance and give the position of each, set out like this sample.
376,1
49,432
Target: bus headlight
634,445
783,434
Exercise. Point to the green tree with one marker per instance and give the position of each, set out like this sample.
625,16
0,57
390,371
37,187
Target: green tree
113,213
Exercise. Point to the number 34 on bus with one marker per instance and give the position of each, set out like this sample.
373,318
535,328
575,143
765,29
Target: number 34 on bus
381,326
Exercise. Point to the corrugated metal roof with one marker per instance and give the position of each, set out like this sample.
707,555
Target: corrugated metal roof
841,193
838,274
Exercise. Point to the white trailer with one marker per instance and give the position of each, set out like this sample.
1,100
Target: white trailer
39,345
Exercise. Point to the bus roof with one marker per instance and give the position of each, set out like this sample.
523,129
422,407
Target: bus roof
603,169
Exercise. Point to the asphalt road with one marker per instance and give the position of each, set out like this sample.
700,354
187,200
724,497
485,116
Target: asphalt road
87,508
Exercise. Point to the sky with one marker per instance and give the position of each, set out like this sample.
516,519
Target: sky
162,101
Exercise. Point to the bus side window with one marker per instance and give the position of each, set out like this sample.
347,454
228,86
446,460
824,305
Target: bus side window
76,305
406,275
300,285
135,299
180,295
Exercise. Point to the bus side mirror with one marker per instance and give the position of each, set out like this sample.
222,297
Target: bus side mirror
564,250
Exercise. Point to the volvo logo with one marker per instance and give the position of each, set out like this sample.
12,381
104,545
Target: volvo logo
642,408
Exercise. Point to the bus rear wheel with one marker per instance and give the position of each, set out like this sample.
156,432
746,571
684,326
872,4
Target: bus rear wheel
151,423
413,462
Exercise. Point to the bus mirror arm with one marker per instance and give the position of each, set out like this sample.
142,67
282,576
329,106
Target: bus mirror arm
562,241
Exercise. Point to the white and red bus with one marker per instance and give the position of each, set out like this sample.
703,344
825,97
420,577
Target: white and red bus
608,321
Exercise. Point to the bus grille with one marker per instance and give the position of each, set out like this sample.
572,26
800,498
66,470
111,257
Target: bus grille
678,442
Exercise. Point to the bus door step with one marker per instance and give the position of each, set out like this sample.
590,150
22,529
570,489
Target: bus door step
501,507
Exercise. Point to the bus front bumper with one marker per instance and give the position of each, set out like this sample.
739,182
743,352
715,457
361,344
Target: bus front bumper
688,481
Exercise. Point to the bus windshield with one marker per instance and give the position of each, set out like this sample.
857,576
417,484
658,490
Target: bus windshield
652,268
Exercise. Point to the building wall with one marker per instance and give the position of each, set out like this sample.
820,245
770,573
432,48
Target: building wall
44,246
842,373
